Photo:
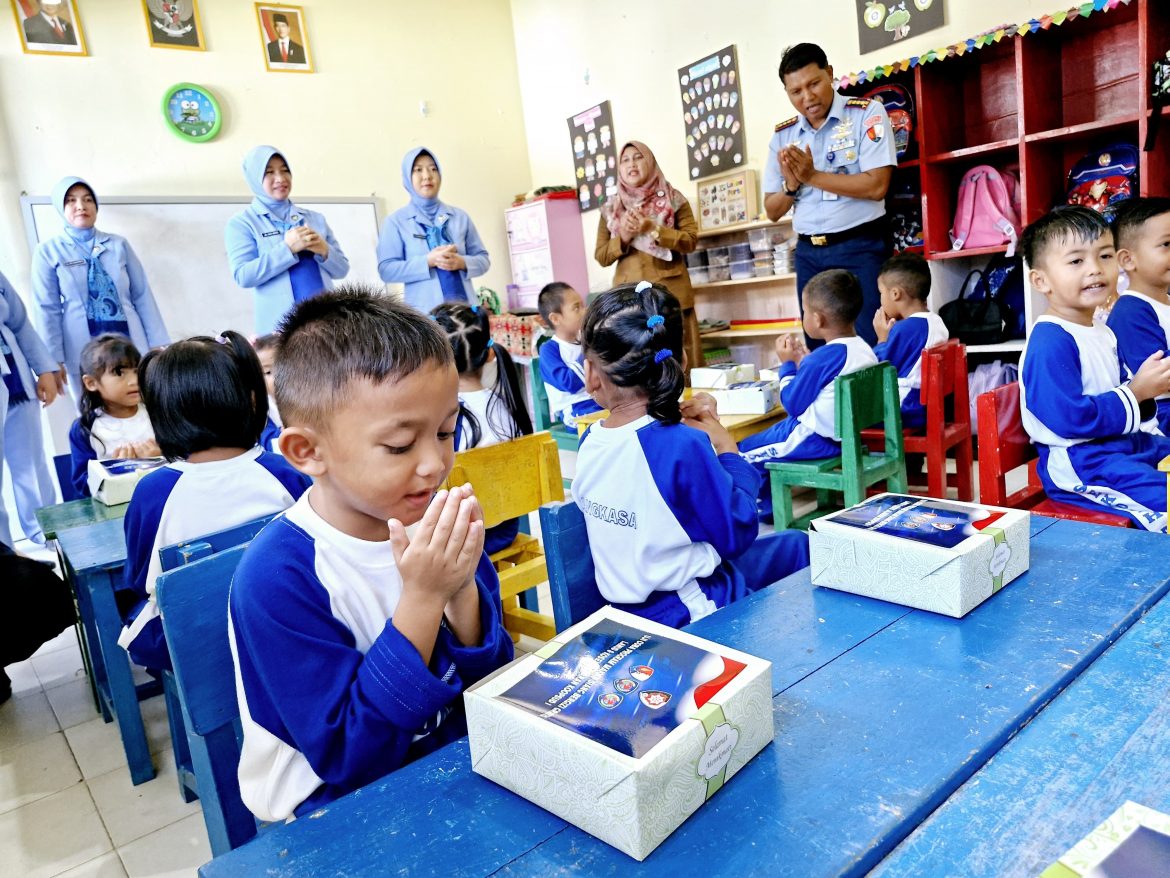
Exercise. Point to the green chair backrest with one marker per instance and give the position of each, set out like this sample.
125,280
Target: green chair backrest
541,419
866,398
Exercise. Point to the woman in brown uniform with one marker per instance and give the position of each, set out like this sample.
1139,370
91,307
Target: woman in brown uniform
646,230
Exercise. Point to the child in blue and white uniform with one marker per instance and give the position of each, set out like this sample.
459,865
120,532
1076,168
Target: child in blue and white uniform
354,642
831,303
669,504
266,346
206,399
429,246
562,364
1080,405
282,252
905,327
113,422
86,282
29,376
1140,317
491,406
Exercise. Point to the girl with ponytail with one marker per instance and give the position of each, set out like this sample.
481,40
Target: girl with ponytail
669,505
208,403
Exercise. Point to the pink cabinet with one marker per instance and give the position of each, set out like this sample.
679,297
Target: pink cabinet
545,243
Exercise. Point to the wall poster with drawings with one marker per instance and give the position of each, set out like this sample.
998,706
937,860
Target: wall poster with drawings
594,156
712,113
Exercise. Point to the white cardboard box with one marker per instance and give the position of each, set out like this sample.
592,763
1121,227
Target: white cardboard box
938,555
112,481
723,375
749,398
611,727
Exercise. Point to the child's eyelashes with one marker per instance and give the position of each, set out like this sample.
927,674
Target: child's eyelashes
397,449
446,436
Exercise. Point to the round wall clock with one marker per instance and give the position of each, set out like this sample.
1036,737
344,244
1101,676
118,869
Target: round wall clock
192,112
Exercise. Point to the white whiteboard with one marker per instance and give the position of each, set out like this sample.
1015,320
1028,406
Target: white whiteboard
180,243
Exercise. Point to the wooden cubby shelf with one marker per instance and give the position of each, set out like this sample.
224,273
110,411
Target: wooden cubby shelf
980,151
748,333
743,281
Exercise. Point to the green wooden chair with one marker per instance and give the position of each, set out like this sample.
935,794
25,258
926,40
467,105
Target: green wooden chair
541,419
863,399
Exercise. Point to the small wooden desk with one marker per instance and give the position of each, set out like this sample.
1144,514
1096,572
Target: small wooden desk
739,426
76,513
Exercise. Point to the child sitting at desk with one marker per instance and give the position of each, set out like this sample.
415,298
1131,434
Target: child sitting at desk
352,641
831,302
206,399
113,422
1141,316
669,505
265,347
1081,407
905,327
561,365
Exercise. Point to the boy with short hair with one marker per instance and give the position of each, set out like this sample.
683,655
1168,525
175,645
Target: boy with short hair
352,641
562,364
1141,316
905,327
1079,404
832,300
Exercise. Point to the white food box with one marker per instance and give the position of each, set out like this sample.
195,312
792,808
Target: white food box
748,398
621,726
112,482
723,375
938,555
770,374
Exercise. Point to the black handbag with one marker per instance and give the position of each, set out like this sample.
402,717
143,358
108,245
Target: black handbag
976,316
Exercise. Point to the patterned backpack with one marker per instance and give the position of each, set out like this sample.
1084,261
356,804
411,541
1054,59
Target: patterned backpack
1102,179
900,108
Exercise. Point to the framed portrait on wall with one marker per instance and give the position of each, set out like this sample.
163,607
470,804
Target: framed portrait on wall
48,28
285,38
173,24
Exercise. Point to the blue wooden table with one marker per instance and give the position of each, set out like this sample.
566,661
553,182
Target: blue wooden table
881,713
94,556
1104,740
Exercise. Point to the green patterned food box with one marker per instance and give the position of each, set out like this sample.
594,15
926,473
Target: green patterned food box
621,726
938,555
1134,842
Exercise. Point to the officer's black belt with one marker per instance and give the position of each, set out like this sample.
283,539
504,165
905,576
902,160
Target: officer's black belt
874,228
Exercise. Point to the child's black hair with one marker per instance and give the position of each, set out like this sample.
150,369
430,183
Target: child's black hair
267,342
1132,214
1060,224
355,331
551,300
469,334
836,293
910,272
203,393
109,352
800,56
635,337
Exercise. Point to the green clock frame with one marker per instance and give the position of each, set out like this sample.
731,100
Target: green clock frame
175,127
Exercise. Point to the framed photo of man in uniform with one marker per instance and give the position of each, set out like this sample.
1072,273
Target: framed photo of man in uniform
173,24
48,28
285,38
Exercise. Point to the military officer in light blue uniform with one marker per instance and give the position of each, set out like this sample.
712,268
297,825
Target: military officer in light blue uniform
86,282
283,252
833,163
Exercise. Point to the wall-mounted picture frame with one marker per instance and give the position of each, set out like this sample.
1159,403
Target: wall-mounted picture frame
173,24
47,28
285,38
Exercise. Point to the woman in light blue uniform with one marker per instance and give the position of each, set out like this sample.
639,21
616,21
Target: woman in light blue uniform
86,282
429,246
23,355
283,252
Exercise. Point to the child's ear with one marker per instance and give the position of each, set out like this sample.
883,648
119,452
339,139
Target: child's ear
89,383
1039,281
1126,260
592,378
897,294
301,446
554,318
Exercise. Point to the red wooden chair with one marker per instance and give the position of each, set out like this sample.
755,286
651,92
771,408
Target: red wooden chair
944,377
1003,446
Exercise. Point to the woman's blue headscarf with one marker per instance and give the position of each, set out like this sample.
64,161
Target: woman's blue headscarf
254,164
428,207
82,236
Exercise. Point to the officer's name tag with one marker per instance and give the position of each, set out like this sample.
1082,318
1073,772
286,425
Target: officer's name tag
74,262
268,234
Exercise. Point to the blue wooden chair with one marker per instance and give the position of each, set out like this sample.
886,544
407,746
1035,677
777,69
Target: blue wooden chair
171,557
571,579
194,603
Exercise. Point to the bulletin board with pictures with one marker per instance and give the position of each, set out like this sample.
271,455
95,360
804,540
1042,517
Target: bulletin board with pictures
594,156
712,113
728,200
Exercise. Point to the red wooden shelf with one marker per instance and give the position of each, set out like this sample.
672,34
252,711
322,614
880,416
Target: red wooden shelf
963,254
1072,132
914,163
958,155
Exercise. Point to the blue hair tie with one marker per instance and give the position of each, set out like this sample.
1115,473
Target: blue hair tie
491,343
663,354
475,309
642,286
656,320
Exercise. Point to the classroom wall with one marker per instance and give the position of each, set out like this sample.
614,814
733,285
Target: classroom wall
632,52
345,128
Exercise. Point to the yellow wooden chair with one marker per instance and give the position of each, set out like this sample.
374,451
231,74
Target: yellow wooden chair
511,480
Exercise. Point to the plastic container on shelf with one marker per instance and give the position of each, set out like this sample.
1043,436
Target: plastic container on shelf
739,252
696,259
745,353
761,240
699,274
717,273
717,256
742,270
765,270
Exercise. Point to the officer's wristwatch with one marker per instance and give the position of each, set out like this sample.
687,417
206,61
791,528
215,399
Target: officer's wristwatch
792,193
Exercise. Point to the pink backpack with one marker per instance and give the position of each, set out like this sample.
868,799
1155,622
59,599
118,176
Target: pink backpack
988,210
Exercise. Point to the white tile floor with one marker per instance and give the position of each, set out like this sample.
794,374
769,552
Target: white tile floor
67,807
